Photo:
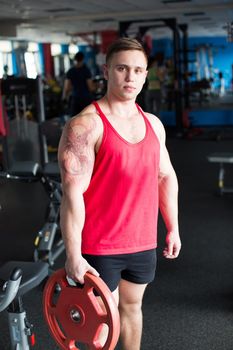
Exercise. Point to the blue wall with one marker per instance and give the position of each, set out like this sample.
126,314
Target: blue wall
162,45
201,118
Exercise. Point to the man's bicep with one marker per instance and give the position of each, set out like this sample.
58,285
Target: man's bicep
67,85
76,156
165,163
91,85
73,177
165,166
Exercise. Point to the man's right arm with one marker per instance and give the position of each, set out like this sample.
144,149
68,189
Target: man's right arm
76,159
91,85
66,89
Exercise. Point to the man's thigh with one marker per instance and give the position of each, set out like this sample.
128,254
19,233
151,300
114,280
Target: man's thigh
131,295
138,268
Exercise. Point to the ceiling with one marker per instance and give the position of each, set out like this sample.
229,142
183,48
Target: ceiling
60,21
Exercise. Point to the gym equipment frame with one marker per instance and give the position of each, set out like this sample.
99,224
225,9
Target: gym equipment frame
222,159
19,278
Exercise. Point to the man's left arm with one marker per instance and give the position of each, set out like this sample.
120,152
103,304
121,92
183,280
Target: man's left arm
168,201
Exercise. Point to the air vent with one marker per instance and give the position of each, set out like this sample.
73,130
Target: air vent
103,20
209,25
201,19
174,1
65,9
191,14
29,27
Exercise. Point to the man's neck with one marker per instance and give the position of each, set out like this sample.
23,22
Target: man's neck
124,108
79,64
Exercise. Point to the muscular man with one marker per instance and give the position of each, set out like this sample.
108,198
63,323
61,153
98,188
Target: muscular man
116,175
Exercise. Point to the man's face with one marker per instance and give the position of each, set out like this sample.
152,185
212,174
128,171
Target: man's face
126,73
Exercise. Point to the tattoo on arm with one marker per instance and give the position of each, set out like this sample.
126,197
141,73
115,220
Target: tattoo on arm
78,155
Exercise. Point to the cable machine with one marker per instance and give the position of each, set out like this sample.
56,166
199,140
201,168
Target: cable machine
23,104
171,23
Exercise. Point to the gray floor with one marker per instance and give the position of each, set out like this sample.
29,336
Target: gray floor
189,306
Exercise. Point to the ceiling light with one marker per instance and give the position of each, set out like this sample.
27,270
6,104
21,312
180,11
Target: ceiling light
5,46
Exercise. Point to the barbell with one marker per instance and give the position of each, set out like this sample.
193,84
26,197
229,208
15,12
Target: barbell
76,314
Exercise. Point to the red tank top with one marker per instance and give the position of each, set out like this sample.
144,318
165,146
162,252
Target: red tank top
121,201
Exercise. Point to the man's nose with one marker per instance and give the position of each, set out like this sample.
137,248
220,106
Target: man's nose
130,75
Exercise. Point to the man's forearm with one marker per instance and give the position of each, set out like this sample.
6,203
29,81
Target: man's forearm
168,201
72,221
67,89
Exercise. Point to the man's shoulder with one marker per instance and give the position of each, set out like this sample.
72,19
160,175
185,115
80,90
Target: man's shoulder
71,71
153,119
86,71
156,124
87,118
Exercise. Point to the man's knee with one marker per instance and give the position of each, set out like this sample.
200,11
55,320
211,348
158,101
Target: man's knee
132,309
130,306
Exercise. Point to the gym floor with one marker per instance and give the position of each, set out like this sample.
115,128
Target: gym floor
189,306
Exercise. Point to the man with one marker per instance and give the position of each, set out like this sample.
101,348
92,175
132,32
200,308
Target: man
116,174
79,84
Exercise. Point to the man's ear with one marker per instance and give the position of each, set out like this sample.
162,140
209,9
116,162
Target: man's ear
105,69
145,76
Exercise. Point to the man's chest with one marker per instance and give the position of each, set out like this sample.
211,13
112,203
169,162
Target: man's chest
133,129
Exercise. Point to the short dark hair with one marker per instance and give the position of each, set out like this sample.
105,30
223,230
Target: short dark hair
124,44
79,56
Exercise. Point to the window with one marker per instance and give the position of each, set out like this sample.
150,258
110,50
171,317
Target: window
30,65
6,57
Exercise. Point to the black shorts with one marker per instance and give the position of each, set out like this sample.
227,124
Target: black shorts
136,267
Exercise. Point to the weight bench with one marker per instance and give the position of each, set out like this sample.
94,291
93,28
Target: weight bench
16,279
222,159
29,169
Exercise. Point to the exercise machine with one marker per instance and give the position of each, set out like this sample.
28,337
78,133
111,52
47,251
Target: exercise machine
25,157
48,242
16,279
23,104
222,159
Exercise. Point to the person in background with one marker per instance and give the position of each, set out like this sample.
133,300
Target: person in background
169,83
221,85
78,85
116,175
5,72
155,78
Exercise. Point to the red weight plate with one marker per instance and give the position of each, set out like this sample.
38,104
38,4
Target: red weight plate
76,315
